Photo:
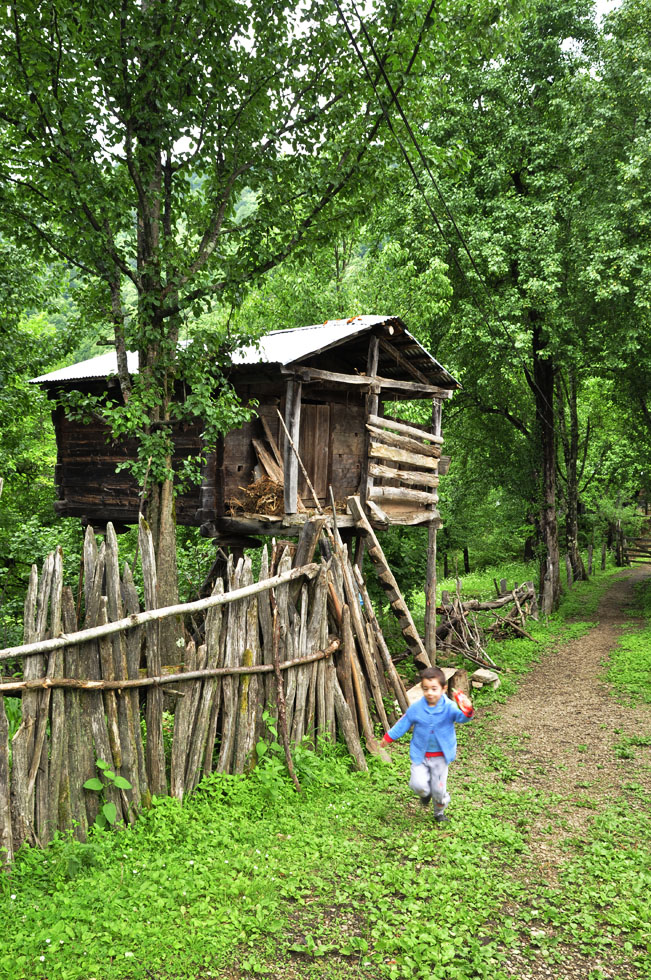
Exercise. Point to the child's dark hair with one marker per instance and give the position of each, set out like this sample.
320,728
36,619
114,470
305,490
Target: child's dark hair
433,673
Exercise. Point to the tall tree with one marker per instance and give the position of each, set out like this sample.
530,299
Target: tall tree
132,134
516,319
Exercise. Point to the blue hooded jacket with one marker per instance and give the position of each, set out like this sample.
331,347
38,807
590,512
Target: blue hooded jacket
439,721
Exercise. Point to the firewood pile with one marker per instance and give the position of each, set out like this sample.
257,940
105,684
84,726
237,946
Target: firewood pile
465,627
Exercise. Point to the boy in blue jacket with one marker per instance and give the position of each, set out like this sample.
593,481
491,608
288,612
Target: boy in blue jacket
434,740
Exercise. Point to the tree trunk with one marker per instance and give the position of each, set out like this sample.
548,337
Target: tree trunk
571,453
543,390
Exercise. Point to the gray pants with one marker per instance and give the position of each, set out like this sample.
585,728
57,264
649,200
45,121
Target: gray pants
430,778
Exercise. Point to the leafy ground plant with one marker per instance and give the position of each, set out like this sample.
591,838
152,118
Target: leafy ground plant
108,813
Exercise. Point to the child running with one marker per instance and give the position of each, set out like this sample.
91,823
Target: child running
434,740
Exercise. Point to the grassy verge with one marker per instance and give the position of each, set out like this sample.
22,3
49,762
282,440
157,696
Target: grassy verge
349,879
630,663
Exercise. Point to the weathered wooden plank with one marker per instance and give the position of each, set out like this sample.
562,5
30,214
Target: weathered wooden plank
412,477
155,752
404,442
6,834
415,389
380,451
313,448
347,725
209,695
182,726
58,791
80,761
267,462
387,662
235,632
209,754
352,595
134,639
307,542
23,740
404,495
413,431
128,721
303,674
249,683
290,461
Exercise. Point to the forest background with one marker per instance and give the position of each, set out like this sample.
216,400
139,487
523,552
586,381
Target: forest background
172,174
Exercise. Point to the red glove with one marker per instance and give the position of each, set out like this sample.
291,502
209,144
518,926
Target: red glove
464,703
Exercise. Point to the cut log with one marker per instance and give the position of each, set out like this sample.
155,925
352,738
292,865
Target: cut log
386,422
412,477
380,451
404,495
404,442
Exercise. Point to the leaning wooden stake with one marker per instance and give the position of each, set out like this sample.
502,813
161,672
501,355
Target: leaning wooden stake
390,586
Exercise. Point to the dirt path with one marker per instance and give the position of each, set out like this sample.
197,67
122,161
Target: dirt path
563,726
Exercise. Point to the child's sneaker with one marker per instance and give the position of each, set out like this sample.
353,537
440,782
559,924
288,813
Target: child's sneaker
441,818
424,800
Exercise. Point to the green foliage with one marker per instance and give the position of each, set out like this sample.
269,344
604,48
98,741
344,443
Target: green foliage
629,666
108,812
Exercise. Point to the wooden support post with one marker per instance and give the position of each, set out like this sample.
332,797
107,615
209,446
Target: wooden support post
430,587
372,405
290,461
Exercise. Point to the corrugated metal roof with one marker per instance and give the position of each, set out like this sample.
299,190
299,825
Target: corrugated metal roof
287,346
94,367
281,347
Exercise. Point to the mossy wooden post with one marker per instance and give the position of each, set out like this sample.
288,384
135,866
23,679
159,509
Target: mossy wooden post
155,753
235,631
430,588
131,606
6,834
79,747
248,655
210,691
127,721
25,740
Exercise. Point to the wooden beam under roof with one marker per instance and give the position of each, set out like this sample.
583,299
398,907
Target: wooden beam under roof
403,362
417,389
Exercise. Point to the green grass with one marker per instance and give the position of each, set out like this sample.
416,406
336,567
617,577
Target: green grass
629,666
349,879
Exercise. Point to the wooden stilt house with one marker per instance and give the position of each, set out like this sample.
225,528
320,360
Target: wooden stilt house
331,383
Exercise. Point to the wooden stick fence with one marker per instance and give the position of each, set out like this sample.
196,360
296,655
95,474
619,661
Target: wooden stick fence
296,649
